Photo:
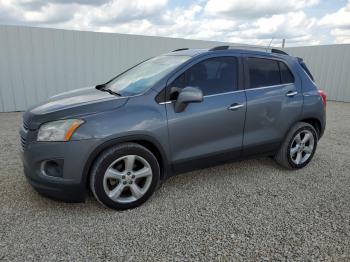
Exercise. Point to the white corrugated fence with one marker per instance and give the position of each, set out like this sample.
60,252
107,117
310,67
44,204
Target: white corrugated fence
36,63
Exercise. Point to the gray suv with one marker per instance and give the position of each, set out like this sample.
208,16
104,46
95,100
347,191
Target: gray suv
173,113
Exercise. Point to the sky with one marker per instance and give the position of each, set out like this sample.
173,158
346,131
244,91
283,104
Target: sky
300,22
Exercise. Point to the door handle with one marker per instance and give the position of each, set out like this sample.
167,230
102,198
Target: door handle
235,106
291,93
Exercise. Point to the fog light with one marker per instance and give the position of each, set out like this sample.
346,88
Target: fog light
52,168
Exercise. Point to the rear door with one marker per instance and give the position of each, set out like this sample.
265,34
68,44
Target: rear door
274,103
210,131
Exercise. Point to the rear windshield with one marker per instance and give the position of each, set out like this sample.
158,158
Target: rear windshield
303,65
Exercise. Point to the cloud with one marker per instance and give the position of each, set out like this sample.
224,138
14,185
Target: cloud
339,22
36,4
189,23
291,26
19,12
91,12
341,18
126,10
50,14
248,21
252,9
342,36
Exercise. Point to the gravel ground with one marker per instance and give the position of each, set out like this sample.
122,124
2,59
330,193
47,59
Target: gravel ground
249,210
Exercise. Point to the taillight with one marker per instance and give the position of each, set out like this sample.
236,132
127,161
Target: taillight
324,97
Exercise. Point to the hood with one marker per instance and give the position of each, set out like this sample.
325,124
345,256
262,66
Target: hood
70,104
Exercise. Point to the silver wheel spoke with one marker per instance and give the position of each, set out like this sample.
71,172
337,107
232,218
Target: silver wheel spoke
293,150
115,193
306,138
144,172
136,190
298,138
299,157
113,173
129,162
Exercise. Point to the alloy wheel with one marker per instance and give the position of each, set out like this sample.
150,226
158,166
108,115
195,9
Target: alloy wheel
127,179
302,147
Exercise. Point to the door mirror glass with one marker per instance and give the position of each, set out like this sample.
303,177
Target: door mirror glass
188,95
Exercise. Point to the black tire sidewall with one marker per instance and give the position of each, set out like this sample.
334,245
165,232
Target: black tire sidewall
108,158
314,133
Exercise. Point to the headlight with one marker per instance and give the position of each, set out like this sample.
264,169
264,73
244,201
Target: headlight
61,130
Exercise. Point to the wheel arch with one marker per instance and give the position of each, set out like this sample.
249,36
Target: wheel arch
316,123
147,141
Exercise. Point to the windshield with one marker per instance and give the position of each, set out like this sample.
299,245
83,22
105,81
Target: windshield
143,76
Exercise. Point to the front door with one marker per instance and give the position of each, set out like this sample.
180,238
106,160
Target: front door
211,130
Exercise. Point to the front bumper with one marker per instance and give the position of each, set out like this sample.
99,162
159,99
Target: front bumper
69,184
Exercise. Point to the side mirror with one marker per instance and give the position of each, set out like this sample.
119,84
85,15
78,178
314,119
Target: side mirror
187,95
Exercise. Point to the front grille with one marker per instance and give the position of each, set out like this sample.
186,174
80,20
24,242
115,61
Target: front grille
25,126
23,142
24,134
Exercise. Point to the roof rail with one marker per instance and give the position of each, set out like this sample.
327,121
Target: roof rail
220,47
180,49
249,47
277,51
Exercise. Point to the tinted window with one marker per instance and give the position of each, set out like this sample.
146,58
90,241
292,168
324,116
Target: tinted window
263,72
212,76
286,74
306,69
179,82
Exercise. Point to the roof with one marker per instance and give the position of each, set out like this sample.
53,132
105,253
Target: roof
188,52
241,49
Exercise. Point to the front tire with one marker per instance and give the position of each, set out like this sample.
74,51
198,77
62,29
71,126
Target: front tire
299,146
124,176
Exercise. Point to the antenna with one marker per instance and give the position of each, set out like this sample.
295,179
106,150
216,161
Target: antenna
268,47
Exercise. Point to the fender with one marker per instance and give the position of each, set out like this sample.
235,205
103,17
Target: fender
129,138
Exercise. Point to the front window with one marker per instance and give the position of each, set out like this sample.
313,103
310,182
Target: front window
143,76
212,76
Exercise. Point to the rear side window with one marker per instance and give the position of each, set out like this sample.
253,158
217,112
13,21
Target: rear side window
306,69
263,72
212,76
286,74
268,72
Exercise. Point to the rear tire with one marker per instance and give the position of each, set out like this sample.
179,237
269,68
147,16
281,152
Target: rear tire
298,147
124,176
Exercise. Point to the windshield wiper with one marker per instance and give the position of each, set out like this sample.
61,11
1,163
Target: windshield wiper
103,87
110,91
